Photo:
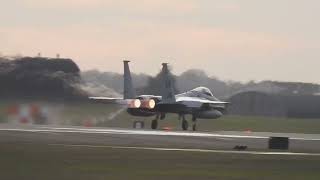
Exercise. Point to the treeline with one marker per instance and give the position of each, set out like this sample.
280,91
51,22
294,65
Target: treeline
190,79
61,78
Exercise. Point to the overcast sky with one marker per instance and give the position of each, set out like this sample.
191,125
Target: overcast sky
230,39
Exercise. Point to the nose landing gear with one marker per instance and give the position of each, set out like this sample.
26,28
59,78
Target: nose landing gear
194,125
185,124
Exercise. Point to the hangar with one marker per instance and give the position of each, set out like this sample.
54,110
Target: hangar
253,103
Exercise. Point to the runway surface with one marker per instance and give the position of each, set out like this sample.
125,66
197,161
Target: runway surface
215,142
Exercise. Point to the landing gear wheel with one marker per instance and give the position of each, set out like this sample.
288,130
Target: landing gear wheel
194,127
185,125
154,124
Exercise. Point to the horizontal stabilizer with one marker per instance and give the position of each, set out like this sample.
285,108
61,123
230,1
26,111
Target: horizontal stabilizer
129,103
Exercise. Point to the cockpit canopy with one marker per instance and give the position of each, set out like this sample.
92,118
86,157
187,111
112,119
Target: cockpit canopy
199,92
203,90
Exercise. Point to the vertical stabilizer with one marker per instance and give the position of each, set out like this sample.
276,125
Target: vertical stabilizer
128,90
167,90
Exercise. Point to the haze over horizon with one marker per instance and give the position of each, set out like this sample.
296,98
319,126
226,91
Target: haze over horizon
239,40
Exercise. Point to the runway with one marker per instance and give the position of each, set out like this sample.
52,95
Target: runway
213,142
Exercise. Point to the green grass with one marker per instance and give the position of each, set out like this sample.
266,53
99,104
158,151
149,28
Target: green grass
2,113
31,161
78,114
264,124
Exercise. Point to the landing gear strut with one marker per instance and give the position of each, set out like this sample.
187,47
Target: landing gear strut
185,124
194,125
154,123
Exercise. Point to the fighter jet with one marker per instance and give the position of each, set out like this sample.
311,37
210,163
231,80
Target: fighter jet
198,102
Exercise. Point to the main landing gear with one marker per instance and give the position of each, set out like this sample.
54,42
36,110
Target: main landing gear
185,124
154,123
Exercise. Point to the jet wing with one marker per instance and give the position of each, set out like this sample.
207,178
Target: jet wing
106,100
198,102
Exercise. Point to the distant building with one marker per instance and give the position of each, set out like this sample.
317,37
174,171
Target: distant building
281,88
257,104
275,105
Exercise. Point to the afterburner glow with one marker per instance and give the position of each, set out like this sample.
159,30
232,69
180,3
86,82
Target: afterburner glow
136,103
151,104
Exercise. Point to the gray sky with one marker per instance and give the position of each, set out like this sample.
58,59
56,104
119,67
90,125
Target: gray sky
230,39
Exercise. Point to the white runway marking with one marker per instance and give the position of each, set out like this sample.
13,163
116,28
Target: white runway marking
133,132
149,132
306,139
191,150
52,133
224,139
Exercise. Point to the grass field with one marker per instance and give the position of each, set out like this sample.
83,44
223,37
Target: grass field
101,115
31,161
